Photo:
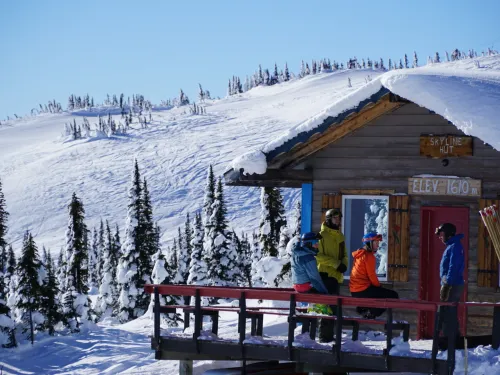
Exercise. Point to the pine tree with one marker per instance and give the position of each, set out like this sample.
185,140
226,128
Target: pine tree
256,257
75,300
201,93
437,58
302,69
108,294
208,199
7,325
198,267
390,64
162,274
3,226
285,276
134,268
272,219
287,73
93,261
29,289
222,260
245,260
415,59
147,229
400,64
50,304
187,250
101,245
406,61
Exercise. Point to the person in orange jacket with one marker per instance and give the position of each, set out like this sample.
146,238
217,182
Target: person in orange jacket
364,282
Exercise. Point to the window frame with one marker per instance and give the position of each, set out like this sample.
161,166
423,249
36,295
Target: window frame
363,196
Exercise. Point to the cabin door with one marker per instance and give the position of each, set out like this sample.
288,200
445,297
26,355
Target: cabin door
431,250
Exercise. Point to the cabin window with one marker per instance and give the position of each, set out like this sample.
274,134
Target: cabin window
362,214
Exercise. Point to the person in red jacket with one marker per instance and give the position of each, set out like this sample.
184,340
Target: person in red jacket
364,282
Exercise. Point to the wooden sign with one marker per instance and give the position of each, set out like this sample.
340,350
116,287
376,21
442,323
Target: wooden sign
464,187
441,146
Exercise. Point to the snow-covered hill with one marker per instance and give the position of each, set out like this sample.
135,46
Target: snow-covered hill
40,170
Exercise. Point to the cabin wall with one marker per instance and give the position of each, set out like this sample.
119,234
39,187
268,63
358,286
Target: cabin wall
383,155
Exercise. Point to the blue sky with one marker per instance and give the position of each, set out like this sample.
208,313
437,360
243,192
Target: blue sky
50,49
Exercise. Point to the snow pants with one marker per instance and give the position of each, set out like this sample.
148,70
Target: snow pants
455,294
326,326
374,292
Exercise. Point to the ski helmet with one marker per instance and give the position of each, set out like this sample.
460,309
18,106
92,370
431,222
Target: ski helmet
333,213
448,229
369,237
310,238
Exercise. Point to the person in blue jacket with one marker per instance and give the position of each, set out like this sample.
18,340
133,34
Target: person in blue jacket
451,269
305,274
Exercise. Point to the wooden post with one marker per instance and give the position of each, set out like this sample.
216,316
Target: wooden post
198,318
291,326
185,367
452,323
388,326
496,328
338,332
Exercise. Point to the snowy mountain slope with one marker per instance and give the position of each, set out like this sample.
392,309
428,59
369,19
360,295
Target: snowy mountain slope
40,169
465,92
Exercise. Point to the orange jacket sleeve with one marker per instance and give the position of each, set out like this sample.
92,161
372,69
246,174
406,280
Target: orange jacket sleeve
370,270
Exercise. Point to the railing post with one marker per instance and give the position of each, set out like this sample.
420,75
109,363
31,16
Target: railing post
338,332
435,337
452,323
198,318
495,334
156,312
388,326
291,326
242,322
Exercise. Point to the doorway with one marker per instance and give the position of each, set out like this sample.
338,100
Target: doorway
431,251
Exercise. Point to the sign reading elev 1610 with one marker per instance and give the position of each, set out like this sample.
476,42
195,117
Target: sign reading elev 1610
465,187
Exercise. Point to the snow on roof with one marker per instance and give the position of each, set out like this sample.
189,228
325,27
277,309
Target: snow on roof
465,92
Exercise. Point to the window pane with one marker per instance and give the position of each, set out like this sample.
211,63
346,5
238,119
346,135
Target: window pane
363,215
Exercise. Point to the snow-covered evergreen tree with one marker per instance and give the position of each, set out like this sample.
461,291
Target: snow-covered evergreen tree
271,221
198,267
135,260
7,325
201,93
75,287
245,260
284,278
101,245
437,59
183,258
28,295
147,230
185,250
93,262
3,228
222,259
302,69
415,59
256,257
406,61
50,304
162,275
11,263
286,74
108,293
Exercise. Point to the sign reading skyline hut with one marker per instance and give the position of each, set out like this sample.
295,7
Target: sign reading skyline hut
441,146
455,186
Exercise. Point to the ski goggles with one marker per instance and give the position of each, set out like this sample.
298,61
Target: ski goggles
312,242
378,237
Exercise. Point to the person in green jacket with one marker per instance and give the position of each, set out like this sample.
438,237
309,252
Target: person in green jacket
332,263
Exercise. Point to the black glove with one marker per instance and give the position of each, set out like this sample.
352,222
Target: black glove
342,268
444,293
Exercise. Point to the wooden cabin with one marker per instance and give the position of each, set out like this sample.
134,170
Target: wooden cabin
401,169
